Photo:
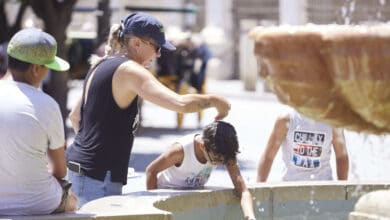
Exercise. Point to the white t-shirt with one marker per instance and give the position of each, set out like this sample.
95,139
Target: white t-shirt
191,173
30,123
307,149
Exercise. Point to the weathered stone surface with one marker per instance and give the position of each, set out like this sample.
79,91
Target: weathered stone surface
333,73
372,206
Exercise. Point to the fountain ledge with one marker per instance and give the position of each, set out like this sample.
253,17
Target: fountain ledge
355,200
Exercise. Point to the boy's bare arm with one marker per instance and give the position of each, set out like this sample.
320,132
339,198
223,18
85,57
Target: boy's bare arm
276,138
341,153
241,189
57,162
173,156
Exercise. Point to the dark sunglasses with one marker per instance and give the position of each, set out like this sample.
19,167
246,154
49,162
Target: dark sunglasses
156,47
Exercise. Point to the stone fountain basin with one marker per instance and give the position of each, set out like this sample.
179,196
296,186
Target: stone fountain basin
289,200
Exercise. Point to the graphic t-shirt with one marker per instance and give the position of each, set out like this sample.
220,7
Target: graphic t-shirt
190,174
307,149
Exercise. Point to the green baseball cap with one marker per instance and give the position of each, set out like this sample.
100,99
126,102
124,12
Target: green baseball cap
34,46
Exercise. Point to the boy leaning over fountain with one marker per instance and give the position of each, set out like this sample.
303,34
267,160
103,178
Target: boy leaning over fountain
189,161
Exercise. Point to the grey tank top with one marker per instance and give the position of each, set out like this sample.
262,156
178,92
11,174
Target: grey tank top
307,149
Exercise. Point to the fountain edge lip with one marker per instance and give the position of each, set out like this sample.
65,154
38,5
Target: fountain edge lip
380,29
169,201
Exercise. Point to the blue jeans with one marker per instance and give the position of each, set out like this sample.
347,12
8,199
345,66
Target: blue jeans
87,188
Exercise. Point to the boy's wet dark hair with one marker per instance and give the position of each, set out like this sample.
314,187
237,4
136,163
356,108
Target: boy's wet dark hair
220,138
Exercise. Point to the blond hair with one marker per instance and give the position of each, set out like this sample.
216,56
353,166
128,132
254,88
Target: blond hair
113,45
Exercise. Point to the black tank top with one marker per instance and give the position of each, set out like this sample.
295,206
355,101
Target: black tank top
106,134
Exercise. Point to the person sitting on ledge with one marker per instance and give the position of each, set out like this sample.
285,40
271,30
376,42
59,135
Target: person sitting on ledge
188,163
32,137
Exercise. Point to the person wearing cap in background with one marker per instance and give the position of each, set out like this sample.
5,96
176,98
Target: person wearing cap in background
188,163
106,116
32,142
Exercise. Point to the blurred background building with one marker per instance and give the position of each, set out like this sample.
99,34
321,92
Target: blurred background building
223,24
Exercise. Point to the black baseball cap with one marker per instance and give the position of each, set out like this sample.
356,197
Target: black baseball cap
142,24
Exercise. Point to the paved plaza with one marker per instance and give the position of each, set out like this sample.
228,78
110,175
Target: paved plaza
253,115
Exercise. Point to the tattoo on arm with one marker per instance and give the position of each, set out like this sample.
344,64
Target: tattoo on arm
203,105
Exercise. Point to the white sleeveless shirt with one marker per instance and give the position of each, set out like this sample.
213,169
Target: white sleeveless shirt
307,149
190,174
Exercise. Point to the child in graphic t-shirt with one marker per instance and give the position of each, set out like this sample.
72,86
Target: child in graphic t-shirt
306,147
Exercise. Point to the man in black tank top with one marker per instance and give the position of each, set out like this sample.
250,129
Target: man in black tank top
105,137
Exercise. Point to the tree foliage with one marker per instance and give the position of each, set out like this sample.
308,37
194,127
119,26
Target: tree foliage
7,29
56,15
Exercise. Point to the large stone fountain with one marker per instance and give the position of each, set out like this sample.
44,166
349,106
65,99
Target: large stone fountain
333,73
336,74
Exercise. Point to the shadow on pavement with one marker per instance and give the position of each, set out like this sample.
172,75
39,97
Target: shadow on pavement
156,132
140,161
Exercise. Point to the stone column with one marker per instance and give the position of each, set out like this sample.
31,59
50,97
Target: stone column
292,12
